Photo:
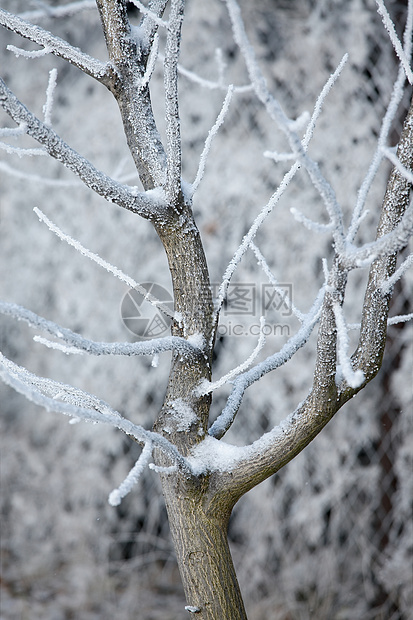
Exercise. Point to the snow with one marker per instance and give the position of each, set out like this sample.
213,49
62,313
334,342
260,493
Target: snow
215,455
183,415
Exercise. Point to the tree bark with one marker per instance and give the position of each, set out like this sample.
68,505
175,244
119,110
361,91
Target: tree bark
202,551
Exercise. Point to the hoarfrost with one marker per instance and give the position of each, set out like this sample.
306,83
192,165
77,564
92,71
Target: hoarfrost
183,414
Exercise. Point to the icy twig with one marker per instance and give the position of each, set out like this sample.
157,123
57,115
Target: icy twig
209,84
8,132
151,14
353,378
391,156
247,239
388,24
63,11
93,67
211,134
47,108
133,476
387,286
278,157
310,224
243,381
390,243
150,65
105,264
401,318
267,209
206,387
81,405
277,114
58,346
396,97
19,52
146,204
91,347
271,278
22,152
173,128
221,66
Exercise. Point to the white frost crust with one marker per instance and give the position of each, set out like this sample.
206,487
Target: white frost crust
183,414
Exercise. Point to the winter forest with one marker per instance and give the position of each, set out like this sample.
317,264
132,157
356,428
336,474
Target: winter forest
278,126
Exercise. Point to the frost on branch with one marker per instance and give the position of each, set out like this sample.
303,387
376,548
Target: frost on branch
80,405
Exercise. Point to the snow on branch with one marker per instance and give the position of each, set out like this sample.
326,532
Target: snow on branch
82,406
19,52
284,123
390,282
13,131
401,318
388,24
133,476
47,108
386,124
147,204
150,65
93,67
390,243
271,278
267,209
243,381
209,84
103,263
391,156
173,128
91,347
63,11
247,239
152,15
345,369
310,224
211,134
206,387
22,152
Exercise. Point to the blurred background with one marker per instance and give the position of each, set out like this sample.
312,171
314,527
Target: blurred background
330,536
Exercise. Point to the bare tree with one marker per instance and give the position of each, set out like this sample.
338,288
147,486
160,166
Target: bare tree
202,476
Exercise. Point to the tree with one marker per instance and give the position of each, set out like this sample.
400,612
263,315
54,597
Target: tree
203,477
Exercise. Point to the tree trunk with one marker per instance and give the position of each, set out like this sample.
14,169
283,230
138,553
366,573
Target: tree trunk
204,559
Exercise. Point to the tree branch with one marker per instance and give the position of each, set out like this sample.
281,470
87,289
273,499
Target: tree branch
91,347
369,354
91,66
275,449
129,59
138,202
173,130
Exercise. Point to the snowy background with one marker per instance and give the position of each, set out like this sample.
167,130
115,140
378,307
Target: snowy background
330,536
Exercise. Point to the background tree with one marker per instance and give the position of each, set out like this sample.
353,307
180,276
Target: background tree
212,475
